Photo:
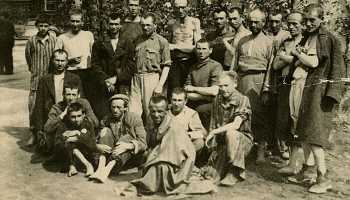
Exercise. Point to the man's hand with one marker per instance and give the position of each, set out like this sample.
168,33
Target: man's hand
71,133
158,90
265,97
64,113
104,148
75,60
189,88
72,139
122,147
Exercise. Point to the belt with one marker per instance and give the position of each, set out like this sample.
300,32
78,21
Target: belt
251,72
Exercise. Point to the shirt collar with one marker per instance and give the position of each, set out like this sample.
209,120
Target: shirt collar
233,100
42,40
136,20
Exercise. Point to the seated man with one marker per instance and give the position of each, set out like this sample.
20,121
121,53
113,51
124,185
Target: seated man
201,83
122,139
171,156
58,112
75,136
189,118
230,138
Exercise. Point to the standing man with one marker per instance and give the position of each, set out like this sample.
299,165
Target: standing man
7,42
50,91
201,83
235,20
185,31
275,30
129,32
38,53
312,101
223,32
105,65
78,44
152,57
254,58
283,66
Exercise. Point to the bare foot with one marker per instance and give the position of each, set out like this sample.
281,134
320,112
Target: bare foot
101,177
72,171
89,170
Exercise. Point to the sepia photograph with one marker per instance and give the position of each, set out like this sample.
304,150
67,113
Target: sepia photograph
175,99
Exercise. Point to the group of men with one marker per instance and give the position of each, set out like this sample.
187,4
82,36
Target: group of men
135,99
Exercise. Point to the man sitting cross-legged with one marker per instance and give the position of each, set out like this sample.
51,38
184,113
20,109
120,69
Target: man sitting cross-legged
58,112
75,137
230,138
122,139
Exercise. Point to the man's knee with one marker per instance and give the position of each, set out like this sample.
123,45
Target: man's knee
198,144
106,137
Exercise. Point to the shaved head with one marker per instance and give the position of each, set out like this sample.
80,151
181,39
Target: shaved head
295,17
180,2
257,15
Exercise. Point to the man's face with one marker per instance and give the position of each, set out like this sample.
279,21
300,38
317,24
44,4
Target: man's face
148,26
114,26
42,28
158,112
226,86
180,8
60,62
312,21
76,23
134,8
117,108
295,26
256,24
203,51
76,118
70,95
178,102
275,23
234,19
220,19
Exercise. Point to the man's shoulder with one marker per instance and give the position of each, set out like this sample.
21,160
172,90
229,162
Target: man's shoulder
132,118
189,111
161,39
71,75
84,102
214,64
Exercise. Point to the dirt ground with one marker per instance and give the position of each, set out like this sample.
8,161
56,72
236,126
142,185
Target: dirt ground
21,180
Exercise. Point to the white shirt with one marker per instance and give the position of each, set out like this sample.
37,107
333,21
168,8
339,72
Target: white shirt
79,45
114,43
58,82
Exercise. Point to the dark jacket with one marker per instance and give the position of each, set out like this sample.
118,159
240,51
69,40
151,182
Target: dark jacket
45,98
318,98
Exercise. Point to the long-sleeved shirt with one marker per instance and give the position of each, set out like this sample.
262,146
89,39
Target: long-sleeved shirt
189,118
38,53
53,118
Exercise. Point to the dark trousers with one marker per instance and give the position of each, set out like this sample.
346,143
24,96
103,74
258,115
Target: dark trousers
6,60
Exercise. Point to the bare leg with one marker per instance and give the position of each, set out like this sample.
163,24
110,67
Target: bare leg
319,158
72,171
101,166
308,154
102,177
88,165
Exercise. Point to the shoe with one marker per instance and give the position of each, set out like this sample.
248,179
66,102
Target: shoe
285,155
30,142
322,185
229,180
37,158
288,170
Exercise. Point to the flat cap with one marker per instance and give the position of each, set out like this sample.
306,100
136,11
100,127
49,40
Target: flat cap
120,96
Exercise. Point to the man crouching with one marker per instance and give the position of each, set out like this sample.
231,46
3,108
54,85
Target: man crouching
122,139
75,137
230,138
